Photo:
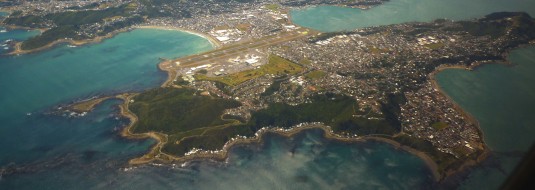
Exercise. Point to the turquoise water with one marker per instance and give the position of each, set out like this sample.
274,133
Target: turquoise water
306,161
502,99
34,84
58,152
16,35
332,18
13,35
52,151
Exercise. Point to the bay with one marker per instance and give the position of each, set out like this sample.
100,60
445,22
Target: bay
502,99
334,18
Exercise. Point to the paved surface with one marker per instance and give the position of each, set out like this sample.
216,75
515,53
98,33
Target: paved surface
212,57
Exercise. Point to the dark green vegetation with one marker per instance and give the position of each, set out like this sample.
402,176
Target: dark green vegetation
275,87
494,29
50,36
190,120
442,159
86,17
445,162
439,125
193,121
71,24
28,21
172,110
498,24
337,111
317,74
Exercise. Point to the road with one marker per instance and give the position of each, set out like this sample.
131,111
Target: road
233,50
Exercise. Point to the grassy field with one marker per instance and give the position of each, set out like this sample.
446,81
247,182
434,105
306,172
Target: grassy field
243,27
272,7
276,66
317,74
439,125
435,45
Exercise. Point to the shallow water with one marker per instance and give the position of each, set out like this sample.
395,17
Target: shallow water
58,152
61,152
34,84
306,161
16,35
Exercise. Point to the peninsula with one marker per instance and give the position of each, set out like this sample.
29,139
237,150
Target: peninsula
269,75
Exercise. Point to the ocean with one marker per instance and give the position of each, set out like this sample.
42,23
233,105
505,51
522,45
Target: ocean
51,151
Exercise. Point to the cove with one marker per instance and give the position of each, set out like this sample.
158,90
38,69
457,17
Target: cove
334,18
502,99
305,161
61,152
34,84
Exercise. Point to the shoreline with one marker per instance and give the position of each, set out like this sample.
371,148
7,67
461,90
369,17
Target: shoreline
87,105
434,83
19,51
475,65
436,86
215,43
156,155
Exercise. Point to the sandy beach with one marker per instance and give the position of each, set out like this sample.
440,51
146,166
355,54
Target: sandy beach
215,43
18,49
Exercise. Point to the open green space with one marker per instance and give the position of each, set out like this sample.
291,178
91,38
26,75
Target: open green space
276,65
173,110
439,125
435,45
272,7
317,74
193,121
